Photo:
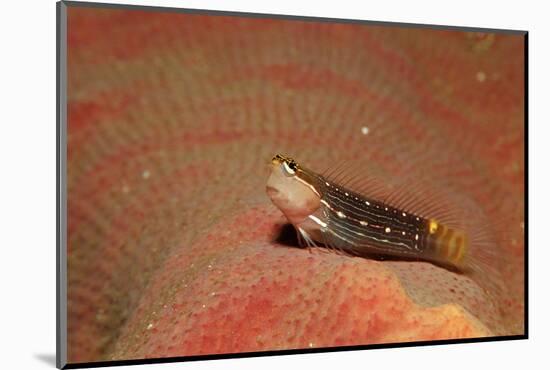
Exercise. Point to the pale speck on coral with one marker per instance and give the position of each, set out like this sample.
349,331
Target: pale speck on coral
146,174
481,76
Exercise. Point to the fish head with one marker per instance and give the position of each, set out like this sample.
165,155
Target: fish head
291,190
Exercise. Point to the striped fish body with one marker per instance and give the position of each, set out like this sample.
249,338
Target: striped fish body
355,224
324,211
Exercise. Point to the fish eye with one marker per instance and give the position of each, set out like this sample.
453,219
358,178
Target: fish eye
289,168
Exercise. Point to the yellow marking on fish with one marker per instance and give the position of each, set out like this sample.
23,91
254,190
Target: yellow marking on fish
461,246
432,226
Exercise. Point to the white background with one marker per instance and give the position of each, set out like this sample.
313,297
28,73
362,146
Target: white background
27,183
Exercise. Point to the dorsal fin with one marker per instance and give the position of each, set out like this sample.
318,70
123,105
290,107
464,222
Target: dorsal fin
352,175
419,197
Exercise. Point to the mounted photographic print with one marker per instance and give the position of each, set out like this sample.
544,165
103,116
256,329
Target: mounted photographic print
235,184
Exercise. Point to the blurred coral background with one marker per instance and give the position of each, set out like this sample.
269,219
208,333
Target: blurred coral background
172,119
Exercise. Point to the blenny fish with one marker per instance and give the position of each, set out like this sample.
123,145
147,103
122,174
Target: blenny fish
373,222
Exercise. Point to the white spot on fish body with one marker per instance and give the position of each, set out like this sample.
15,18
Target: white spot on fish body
364,223
317,221
341,214
364,130
146,174
388,230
